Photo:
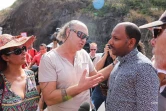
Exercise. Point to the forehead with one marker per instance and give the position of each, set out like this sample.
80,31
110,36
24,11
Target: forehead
119,31
42,47
81,27
93,46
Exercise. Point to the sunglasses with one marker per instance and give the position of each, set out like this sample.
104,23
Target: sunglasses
157,31
18,51
80,34
92,49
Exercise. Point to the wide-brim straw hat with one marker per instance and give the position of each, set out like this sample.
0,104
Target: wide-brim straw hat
161,21
7,41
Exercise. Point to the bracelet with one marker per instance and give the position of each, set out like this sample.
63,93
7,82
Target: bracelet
64,95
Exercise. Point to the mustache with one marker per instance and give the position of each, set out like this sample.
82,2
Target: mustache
111,47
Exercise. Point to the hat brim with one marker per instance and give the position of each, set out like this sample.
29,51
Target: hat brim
27,41
152,24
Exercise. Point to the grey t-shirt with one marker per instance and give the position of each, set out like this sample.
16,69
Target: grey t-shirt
53,67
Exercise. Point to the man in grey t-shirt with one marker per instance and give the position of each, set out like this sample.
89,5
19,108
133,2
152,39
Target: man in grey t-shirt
133,83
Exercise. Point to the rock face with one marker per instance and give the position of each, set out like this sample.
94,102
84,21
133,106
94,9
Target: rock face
42,17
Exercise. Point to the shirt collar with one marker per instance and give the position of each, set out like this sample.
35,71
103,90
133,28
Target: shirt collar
129,56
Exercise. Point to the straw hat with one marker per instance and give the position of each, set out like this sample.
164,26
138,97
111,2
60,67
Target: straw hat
7,41
161,21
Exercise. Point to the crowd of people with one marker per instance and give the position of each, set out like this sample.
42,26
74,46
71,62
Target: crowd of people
60,79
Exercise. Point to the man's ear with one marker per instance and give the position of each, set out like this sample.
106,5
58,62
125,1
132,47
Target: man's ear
132,43
67,32
5,58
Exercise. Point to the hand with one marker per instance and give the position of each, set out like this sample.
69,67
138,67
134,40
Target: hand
104,89
89,82
106,49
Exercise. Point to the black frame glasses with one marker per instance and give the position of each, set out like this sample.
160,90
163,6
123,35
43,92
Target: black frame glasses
80,34
18,51
157,31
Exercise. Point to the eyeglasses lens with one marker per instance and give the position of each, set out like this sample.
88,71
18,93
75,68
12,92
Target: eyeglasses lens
156,32
18,51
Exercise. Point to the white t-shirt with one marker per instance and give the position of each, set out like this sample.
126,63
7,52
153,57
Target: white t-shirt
96,59
53,67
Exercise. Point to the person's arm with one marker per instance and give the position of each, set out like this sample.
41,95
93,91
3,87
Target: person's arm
41,102
147,88
101,62
32,63
107,70
48,77
52,95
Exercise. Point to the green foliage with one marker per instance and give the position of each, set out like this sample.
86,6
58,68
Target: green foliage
107,8
159,3
123,7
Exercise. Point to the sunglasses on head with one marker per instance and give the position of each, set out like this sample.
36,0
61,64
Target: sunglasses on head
18,51
80,34
157,31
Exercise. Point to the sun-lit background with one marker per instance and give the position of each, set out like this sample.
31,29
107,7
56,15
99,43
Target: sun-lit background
6,3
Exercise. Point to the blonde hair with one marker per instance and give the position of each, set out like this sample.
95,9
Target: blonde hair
62,33
93,44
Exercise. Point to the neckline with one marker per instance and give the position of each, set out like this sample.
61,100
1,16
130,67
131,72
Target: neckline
8,85
75,57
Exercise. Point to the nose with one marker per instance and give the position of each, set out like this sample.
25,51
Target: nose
110,41
153,42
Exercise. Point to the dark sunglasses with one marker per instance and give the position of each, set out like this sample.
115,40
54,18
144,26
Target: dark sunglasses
92,49
18,51
157,31
80,34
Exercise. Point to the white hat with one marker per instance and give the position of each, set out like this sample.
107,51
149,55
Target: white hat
161,21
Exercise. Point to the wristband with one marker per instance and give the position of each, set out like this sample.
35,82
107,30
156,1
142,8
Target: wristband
64,95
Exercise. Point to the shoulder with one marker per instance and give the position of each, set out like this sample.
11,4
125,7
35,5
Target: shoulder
145,68
50,54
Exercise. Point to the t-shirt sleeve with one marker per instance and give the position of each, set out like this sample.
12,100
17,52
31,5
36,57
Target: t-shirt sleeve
47,71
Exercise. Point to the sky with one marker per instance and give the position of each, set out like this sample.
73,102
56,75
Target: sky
6,3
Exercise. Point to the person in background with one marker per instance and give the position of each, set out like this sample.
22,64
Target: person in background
34,67
67,72
133,83
158,42
94,57
100,91
18,85
28,60
36,58
32,51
